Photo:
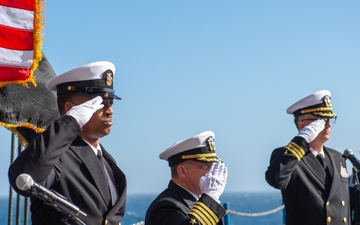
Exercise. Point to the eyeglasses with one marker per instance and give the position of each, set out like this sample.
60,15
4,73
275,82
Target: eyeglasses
327,120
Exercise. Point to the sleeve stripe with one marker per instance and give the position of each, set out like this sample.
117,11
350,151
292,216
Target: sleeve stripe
209,211
204,215
296,150
203,212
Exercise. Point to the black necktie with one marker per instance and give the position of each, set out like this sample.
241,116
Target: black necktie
112,188
322,161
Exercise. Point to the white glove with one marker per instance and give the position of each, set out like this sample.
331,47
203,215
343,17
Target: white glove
213,183
311,131
83,112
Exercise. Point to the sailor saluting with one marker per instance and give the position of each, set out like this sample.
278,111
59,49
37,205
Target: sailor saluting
312,178
198,178
68,157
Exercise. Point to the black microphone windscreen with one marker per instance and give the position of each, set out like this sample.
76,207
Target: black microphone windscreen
348,152
24,182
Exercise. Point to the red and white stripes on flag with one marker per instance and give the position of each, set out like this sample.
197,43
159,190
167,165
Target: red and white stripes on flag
21,23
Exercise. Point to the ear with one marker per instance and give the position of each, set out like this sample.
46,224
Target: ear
68,106
300,125
181,170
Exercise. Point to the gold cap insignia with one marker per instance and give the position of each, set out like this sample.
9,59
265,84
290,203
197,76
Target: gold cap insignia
327,100
108,77
211,143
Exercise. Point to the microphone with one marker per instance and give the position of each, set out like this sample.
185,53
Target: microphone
348,154
25,182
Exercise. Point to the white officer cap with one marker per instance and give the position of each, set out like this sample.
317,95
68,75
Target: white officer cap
317,104
200,147
94,79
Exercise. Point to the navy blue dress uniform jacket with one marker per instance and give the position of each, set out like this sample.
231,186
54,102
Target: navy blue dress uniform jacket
60,160
308,199
176,206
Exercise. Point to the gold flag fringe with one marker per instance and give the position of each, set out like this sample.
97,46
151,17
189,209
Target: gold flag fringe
12,128
39,22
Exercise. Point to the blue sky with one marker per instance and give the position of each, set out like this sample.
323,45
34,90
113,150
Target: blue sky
233,67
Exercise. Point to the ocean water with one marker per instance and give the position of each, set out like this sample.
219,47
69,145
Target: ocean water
248,208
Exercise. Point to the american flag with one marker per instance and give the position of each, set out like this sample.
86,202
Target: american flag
21,24
26,106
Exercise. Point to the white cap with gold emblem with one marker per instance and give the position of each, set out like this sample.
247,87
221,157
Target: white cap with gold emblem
93,79
318,104
200,147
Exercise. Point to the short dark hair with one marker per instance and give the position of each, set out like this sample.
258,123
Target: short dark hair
63,98
296,120
174,172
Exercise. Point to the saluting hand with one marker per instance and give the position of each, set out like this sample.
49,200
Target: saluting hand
213,183
311,131
83,112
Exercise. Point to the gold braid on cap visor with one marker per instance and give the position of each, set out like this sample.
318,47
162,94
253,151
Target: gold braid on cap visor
315,110
320,112
204,157
327,114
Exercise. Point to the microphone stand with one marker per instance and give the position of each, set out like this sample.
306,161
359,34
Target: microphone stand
357,190
356,180
67,219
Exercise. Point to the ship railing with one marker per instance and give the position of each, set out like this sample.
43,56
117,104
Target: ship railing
257,214
265,213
